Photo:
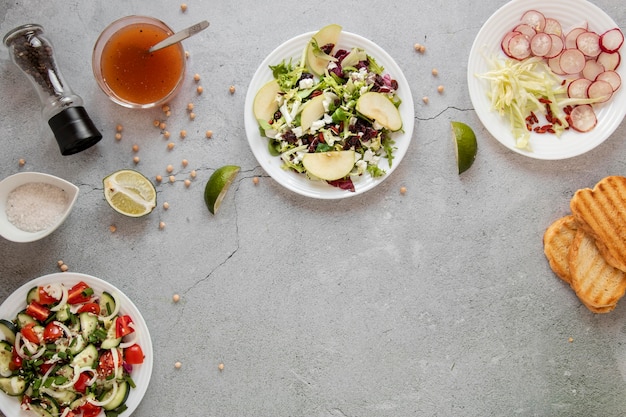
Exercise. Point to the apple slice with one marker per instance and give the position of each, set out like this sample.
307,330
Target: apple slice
312,111
376,106
329,166
265,105
326,35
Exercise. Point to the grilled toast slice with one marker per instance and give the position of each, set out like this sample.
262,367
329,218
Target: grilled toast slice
597,284
601,212
557,241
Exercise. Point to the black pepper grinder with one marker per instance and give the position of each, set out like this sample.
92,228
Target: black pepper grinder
68,119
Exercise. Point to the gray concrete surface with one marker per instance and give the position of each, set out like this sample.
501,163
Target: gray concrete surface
438,302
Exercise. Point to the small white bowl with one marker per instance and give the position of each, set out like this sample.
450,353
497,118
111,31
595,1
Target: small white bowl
7,229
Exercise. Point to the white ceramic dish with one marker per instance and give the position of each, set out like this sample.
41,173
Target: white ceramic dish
487,44
141,374
7,229
300,183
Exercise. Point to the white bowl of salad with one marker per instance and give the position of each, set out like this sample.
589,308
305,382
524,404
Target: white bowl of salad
72,345
333,129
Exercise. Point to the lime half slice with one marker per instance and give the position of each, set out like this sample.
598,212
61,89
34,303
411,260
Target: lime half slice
130,193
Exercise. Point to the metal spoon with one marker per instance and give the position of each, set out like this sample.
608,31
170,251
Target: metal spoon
179,36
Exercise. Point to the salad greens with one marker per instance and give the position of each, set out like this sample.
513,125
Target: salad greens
348,75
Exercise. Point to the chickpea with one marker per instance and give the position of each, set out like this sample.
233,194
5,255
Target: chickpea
136,160
440,89
135,148
190,106
187,183
169,168
209,134
183,134
232,89
199,90
166,205
255,180
170,146
118,136
183,7
21,162
119,128
161,225
159,178
176,298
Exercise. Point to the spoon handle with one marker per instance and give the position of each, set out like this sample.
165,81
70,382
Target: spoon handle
179,36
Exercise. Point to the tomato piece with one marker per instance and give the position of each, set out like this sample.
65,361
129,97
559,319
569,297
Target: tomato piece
45,367
89,410
133,355
79,293
37,311
45,298
122,327
16,360
106,365
90,308
52,332
29,334
81,384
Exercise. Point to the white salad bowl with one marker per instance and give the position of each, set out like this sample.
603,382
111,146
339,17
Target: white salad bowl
11,232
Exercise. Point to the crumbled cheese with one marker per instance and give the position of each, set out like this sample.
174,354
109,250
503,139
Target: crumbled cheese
306,83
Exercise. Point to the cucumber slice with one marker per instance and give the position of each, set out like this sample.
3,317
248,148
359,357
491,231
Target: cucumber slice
38,410
46,406
23,319
120,396
33,295
111,341
107,304
86,357
9,330
5,358
88,324
13,386
77,345
64,313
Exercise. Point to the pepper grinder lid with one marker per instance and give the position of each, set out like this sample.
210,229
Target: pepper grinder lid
74,130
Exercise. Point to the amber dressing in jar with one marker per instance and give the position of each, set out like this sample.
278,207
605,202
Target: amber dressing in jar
136,75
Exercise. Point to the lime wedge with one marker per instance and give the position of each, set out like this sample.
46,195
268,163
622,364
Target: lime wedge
465,145
217,185
130,193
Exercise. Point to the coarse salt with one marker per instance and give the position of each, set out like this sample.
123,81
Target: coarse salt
35,206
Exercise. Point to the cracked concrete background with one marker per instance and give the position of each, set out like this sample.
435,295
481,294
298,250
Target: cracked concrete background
438,302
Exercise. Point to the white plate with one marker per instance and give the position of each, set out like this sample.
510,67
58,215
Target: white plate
487,44
141,374
299,183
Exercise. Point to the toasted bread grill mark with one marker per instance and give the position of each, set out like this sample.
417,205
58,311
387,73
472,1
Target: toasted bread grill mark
600,213
556,245
596,283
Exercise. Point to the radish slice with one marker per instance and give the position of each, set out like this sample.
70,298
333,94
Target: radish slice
611,40
553,27
541,44
589,44
557,46
505,43
592,69
578,88
609,60
572,35
583,118
525,29
600,90
555,65
612,78
572,61
519,46
534,19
